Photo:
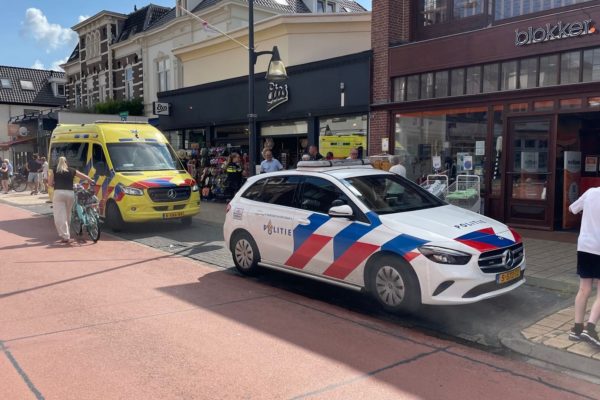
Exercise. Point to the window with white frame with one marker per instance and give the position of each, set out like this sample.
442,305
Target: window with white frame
321,6
129,83
102,88
163,67
77,95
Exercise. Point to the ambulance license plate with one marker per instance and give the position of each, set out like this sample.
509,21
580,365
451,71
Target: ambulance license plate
508,276
177,214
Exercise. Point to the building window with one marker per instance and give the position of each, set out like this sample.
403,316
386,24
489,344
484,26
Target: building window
457,82
60,90
90,84
591,65
427,85
549,70
569,67
474,80
412,87
321,6
467,8
5,83
509,75
330,7
434,11
514,8
77,95
490,78
102,88
441,84
26,85
528,73
399,89
163,67
543,105
129,83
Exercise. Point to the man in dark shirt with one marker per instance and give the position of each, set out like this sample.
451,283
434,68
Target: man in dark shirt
34,167
314,154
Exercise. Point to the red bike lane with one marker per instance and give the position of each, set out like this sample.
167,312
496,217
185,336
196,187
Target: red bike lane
116,320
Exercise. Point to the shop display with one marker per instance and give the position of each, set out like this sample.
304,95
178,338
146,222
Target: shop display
214,180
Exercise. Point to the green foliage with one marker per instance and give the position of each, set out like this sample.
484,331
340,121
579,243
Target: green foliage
134,107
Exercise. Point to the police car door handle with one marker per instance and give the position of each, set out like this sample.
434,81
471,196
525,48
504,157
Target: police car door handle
303,221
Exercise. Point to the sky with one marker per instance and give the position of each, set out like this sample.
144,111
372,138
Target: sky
37,33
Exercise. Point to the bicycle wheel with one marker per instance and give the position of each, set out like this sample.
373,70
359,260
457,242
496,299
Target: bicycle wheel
93,226
76,225
19,184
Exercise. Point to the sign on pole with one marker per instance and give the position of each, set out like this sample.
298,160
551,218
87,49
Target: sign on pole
124,115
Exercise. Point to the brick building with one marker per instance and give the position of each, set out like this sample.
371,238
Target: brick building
505,90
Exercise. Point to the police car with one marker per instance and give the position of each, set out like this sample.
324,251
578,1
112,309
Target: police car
346,223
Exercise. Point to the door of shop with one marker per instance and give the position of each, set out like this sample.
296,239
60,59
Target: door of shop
530,172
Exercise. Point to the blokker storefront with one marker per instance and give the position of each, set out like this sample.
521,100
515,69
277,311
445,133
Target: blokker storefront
504,91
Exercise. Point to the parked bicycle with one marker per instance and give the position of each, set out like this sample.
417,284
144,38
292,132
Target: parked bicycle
18,182
85,212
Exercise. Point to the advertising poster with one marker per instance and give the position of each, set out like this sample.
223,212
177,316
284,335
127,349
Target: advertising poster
571,187
530,161
591,163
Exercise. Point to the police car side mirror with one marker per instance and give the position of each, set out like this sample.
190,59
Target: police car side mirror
344,211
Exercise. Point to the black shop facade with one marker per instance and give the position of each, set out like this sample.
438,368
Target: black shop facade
325,103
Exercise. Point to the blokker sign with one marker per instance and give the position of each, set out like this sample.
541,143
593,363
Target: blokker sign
554,32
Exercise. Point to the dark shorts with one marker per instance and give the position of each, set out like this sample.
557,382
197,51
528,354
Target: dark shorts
588,265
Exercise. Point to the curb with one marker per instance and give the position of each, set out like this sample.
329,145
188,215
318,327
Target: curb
513,340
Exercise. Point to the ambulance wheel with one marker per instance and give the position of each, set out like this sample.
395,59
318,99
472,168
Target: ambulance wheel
113,217
245,253
394,284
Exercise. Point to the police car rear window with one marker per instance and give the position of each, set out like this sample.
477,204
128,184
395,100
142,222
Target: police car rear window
388,194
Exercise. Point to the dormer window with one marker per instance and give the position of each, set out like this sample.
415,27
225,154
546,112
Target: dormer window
5,83
60,90
324,6
26,85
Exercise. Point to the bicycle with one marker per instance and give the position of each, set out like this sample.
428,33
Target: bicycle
18,182
85,212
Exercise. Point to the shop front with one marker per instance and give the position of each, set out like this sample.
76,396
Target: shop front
516,105
323,103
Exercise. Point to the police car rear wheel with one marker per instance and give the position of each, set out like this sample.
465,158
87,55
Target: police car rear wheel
245,254
395,286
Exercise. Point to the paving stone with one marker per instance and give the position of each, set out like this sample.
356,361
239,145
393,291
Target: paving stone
584,349
560,342
549,322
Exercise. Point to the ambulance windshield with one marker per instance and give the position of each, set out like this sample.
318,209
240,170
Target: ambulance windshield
143,156
389,194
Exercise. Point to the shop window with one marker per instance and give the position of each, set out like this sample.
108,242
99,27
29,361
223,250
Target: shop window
528,73
412,87
518,107
441,84
490,78
427,85
543,105
549,70
513,8
566,104
339,135
508,79
591,65
594,101
473,81
467,8
569,67
446,138
399,85
434,11
457,82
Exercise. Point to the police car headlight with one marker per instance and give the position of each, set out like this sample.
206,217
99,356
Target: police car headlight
195,188
133,191
441,255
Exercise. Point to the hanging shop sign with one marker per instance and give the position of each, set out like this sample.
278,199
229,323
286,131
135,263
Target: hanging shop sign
277,95
551,32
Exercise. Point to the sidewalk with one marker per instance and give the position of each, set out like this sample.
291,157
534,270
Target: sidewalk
551,261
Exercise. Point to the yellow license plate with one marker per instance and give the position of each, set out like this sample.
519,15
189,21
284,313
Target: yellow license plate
508,276
177,214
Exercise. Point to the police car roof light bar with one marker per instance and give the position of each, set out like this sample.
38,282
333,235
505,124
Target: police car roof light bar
332,163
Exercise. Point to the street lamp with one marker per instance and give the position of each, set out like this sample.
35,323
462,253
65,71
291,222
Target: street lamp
275,73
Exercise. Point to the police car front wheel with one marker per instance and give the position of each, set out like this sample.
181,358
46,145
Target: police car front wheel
245,253
394,285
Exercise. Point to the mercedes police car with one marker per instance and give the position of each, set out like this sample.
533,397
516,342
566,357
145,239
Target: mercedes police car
346,223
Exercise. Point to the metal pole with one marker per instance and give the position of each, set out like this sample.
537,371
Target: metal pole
251,114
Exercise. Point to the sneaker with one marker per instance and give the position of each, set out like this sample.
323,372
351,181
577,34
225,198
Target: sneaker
590,336
574,336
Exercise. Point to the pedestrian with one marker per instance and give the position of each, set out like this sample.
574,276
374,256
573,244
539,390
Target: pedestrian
33,177
588,265
353,155
269,164
234,175
10,168
4,177
62,201
397,168
329,155
44,174
314,154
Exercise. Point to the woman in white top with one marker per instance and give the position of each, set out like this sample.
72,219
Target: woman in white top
588,265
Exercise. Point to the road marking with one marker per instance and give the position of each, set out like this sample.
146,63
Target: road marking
38,395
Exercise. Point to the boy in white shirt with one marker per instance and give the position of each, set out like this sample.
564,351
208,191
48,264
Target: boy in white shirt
588,265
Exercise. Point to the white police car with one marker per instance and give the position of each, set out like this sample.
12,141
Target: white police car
349,224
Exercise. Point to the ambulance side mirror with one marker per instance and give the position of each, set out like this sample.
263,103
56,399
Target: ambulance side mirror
344,211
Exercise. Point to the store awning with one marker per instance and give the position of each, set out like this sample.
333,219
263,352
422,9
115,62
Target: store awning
7,145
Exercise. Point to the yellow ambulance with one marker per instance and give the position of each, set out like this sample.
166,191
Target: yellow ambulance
138,176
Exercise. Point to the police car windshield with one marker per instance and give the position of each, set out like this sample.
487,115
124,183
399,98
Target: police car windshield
143,156
389,194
